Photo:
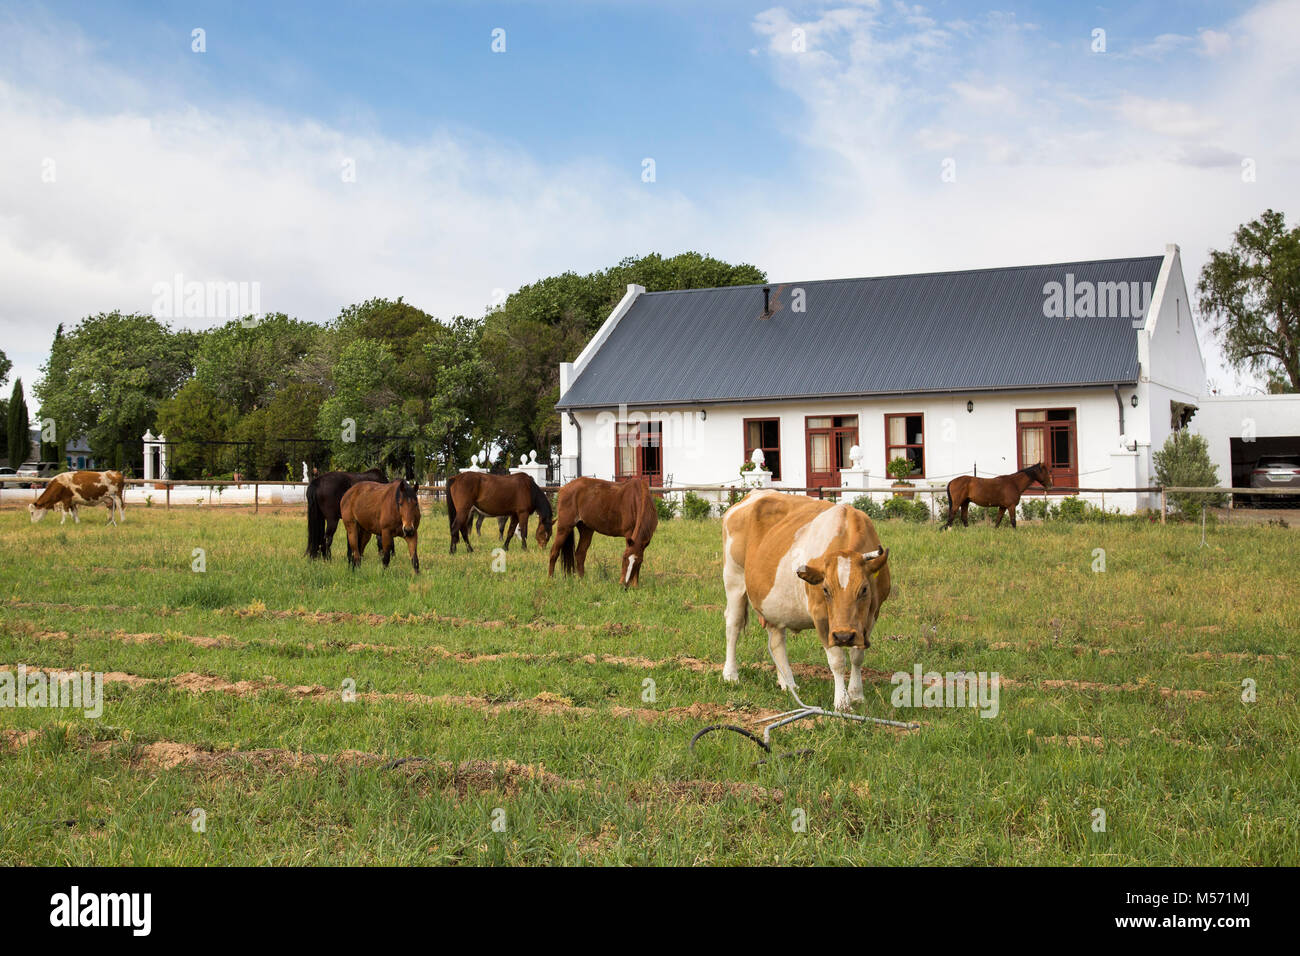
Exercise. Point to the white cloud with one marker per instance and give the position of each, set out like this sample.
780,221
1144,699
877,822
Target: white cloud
1058,155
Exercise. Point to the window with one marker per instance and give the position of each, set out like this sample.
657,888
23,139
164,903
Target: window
905,438
765,435
638,451
1049,435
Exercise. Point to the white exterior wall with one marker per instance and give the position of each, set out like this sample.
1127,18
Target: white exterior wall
708,448
1223,418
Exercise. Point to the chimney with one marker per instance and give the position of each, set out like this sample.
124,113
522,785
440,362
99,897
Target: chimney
767,308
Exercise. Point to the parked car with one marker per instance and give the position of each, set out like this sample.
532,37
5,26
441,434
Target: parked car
37,469
1275,471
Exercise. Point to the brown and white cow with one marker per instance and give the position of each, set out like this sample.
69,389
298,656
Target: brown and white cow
804,563
72,489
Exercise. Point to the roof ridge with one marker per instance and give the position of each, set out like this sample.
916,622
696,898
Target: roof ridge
914,275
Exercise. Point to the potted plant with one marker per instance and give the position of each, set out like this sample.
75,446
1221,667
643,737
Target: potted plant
899,469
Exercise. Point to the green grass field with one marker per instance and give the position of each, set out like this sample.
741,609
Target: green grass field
524,700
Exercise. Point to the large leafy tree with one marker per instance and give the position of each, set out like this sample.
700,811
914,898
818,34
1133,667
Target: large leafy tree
549,321
1251,294
198,423
105,378
281,434
244,364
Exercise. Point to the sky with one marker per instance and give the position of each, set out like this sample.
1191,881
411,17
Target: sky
325,153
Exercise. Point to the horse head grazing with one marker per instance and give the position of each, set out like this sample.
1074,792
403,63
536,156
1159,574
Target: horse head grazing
408,508
545,517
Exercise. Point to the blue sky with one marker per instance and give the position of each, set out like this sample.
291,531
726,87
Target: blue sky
809,139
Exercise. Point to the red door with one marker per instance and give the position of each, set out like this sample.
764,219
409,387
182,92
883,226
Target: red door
829,438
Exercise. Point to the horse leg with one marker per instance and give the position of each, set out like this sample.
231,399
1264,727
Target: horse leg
523,529
501,527
584,542
964,505
354,549
1002,509
330,525
385,545
1013,513
415,557
514,523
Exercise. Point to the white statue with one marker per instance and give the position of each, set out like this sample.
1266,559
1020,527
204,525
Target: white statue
855,457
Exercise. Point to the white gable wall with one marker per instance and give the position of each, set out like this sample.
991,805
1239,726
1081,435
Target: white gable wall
1170,359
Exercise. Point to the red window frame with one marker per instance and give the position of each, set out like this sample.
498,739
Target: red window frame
889,449
766,449
1062,477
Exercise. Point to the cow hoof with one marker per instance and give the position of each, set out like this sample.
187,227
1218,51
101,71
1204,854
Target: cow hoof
731,675
786,687
843,705
856,699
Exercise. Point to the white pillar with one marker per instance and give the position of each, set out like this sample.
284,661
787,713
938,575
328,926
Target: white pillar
532,467
855,477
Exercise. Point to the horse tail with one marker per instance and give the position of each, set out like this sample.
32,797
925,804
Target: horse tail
451,509
315,522
646,509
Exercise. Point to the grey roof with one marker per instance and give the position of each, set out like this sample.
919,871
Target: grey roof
935,332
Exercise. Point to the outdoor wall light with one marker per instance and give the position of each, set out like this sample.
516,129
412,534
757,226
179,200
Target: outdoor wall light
704,414
970,406
1134,400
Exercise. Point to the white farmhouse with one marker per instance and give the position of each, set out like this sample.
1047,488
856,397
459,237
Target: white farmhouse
1085,366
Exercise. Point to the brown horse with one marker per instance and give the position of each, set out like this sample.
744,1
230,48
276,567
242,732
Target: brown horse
1003,491
324,493
619,509
515,496
386,510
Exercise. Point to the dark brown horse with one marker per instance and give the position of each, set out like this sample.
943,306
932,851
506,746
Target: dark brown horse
1004,491
619,509
323,496
514,496
390,510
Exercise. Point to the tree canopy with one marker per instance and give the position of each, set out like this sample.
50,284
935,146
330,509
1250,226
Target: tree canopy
1251,294
382,383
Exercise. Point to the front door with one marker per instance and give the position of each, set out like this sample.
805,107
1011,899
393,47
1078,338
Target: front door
829,439
1049,435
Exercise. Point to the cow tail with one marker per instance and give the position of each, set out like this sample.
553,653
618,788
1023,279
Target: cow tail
315,522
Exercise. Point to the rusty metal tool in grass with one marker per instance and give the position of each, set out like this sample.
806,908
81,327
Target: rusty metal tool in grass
802,712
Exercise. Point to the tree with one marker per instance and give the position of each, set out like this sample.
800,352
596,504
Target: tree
1184,462
1251,292
245,365
105,378
16,431
5,366
549,321
198,423
281,434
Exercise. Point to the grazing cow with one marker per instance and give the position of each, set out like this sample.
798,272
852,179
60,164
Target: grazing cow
70,490
804,563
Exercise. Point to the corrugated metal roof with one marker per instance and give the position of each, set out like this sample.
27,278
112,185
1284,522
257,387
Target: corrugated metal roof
935,332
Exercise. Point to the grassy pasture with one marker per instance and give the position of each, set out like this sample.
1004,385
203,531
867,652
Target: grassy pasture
522,699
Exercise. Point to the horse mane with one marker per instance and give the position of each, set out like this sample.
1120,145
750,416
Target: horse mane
541,503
